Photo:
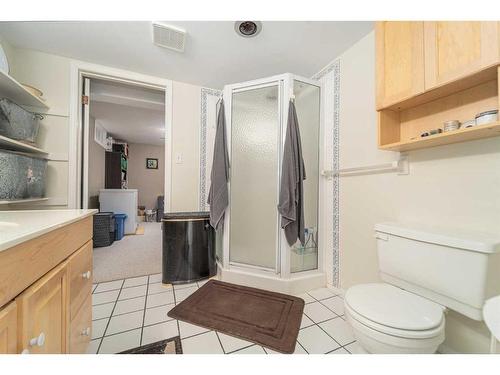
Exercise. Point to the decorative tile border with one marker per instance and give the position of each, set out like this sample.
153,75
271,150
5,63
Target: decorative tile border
205,93
335,67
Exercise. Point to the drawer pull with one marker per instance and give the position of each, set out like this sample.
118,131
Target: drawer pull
38,341
86,275
86,331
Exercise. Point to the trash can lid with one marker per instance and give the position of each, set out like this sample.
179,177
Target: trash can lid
186,215
120,216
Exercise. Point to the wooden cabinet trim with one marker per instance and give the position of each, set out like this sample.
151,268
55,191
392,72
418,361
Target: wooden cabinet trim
8,329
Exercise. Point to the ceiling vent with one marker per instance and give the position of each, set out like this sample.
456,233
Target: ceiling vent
170,37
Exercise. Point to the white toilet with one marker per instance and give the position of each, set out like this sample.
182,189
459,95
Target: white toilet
425,271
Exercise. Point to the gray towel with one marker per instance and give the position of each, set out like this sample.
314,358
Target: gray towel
218,196
293,173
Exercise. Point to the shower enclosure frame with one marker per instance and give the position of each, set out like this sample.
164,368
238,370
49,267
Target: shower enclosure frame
286,281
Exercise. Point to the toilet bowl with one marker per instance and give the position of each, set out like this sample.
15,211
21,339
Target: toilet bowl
387,319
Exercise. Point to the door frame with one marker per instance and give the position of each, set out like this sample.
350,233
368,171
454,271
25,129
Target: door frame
80,70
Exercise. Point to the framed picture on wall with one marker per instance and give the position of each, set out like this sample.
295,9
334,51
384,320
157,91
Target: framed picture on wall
151,163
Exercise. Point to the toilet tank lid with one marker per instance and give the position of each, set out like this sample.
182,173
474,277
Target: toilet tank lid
458,238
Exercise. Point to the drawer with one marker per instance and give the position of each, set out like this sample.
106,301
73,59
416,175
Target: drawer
80,277
81,328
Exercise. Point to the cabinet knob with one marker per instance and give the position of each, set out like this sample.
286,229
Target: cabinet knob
86,331
38,341
86,275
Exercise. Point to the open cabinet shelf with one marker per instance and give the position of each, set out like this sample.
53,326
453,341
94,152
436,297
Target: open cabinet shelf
400,127
13,90
13,145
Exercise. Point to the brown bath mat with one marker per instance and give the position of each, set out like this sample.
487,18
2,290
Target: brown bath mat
266,318
168,346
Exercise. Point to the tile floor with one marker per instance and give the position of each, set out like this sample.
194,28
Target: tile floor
133,312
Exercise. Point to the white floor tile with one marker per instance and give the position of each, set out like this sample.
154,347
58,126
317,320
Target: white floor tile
159,332
355,348
107,286
102,311
306,297
157,314
135,281
306,322
206,343
188,329
159,299
230,343
93,346
132,292
184,286
339,351
124,322
321,293
316,341
122,341
339,329
98,328
298,350
182,294
104,297
156,278
317,312
254,349
129,305
203,282
159,288
336,304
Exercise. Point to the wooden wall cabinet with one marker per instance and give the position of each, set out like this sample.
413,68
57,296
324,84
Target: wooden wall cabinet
8,329
432,72
455,49
400,61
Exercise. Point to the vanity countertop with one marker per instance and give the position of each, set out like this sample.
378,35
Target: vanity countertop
19,226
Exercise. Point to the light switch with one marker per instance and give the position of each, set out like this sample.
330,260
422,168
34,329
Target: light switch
178,159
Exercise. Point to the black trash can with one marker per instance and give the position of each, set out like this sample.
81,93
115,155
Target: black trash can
188,247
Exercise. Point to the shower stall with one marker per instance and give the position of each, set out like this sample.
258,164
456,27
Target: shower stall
251,247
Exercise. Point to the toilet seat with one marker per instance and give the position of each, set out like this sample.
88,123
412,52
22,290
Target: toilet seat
394,311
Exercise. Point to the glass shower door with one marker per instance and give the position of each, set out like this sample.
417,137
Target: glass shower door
255,138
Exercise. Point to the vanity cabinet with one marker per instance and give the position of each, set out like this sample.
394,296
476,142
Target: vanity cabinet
455,49
48,309
400,61
43,314
8,329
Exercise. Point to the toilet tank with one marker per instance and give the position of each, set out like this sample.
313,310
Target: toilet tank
456,269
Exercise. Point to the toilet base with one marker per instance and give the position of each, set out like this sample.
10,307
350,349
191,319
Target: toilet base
376,342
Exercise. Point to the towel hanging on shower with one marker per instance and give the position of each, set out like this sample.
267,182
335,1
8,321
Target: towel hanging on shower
218,196
293,173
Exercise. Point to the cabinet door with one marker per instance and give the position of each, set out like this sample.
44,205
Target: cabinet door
43,316
80,278
81,328
400,61
455,49
8,329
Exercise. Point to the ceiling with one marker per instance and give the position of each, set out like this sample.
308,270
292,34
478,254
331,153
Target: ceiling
214,55
129,113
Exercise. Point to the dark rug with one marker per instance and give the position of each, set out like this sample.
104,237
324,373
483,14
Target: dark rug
168,346
260,316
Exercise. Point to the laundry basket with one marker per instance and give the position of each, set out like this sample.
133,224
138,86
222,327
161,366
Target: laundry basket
104,229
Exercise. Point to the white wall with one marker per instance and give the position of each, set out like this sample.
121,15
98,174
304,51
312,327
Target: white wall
453,185
148,182
97,164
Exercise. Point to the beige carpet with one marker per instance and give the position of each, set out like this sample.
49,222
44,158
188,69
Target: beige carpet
131,256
